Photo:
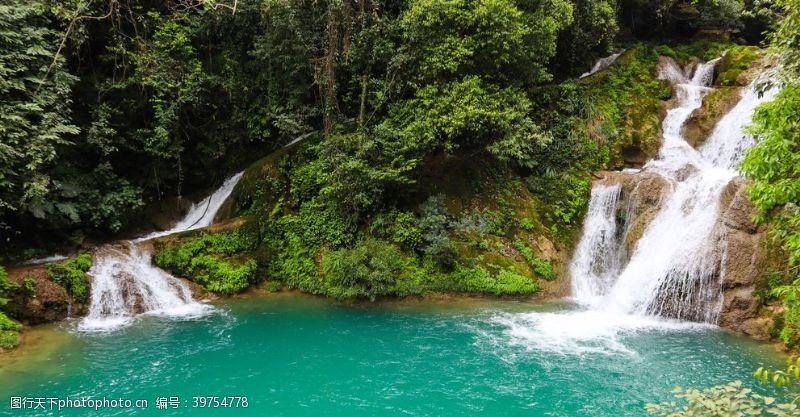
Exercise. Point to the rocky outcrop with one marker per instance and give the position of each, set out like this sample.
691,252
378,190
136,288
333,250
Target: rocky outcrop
743,264
38,299
702,121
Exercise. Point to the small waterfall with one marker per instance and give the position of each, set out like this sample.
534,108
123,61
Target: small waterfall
728,142
125,283
603,63
598,256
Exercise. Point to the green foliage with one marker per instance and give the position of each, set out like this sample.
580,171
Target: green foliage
653,18
71,275
503,39
272,286
35,108
222,276
30,286
782,377
371,269
591,33
540,266
468,114
360,168
407,231
8,324
9,329
731,399
6,287
9,332
479,280
785,38
737,59
526,224
8,339
774,165
215,261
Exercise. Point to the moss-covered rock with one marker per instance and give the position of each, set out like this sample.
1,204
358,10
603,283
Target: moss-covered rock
47,294
734,71
627,104
716,104
221,262
735,68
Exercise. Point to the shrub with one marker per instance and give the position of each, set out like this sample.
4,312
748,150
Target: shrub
30,286
8,324
9,332
479,280
371,269
222,275
71,275
6,287
272,286
544,269
541,267
8,339
213,260
407,232
526,224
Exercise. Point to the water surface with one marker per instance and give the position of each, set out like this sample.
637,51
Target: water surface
294,355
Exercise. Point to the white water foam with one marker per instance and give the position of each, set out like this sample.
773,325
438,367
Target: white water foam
44,260
125,283
581,332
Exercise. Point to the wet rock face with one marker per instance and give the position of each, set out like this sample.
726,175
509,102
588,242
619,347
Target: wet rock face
744,262
49,302
702,121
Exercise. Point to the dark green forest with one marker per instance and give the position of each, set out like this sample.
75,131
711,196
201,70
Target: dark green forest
111,106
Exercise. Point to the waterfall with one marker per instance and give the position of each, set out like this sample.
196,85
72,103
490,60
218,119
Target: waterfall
675,269
672,279
603,63
125,283
598,256
728,142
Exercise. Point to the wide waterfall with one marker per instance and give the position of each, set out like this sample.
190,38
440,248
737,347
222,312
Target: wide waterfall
125,283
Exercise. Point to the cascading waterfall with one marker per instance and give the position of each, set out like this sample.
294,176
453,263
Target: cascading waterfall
125,282
675,270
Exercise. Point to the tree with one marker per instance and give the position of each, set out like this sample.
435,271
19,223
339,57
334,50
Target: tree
35,113
500,40
590,35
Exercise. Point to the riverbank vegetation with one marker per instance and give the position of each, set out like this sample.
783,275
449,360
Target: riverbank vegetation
9,329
